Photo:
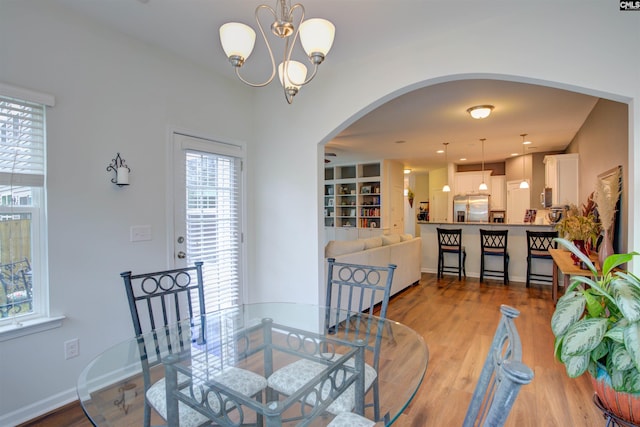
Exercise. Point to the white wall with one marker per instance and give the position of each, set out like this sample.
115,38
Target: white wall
100,78
112,95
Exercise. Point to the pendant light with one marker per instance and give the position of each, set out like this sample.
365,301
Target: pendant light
524,184
483,185
446,187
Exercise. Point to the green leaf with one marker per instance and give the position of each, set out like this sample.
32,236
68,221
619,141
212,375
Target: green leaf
576,365
568,310
627,298
617,378
632,381
620,358
615,260
616,333
594,304
632,342
583,336
600,351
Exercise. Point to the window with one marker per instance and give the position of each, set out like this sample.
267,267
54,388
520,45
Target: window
22,204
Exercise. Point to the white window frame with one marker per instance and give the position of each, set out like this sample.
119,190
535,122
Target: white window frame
39,319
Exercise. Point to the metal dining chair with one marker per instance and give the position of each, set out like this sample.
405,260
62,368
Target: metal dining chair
164,298
351,289
502,375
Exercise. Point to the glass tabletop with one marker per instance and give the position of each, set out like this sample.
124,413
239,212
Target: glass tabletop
258,339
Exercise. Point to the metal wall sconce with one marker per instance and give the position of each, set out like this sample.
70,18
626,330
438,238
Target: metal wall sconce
121,169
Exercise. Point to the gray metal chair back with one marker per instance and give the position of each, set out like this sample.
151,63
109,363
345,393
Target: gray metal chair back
538,245
358,288
502,376
159,299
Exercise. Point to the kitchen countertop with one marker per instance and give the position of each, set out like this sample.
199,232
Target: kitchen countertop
497,224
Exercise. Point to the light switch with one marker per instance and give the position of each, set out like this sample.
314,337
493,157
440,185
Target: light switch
140,233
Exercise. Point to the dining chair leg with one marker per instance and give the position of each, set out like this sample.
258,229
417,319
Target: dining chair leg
459,265
481,268
528,270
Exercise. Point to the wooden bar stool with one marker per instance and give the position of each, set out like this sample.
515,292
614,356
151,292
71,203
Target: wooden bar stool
494,243
538,245
450,242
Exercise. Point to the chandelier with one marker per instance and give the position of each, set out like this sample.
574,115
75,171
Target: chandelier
316,38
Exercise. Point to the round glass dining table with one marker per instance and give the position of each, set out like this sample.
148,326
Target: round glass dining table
200,368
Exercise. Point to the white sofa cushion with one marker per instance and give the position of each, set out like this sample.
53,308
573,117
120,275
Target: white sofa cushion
372,242
341,247
405,237
390,239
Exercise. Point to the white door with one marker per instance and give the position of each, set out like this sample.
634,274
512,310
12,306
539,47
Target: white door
518,201
207,226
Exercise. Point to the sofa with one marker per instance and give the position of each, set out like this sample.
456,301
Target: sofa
403,250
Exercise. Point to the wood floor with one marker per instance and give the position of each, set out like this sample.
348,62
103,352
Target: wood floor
457,320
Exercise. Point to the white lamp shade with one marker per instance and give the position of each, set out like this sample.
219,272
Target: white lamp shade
295,75
483,186
237,39
524,184
316,35
446,188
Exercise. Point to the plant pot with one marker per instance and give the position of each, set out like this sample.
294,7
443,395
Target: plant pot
623,405
581,246
606,248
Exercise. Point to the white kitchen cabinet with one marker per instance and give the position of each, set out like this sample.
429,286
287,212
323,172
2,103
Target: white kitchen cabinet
498,193
468,182
561,175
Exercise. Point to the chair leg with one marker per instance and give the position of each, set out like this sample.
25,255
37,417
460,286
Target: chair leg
439,264
528,270
481,268
459,265
464,264
506,269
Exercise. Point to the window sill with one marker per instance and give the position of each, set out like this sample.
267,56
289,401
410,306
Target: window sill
27,327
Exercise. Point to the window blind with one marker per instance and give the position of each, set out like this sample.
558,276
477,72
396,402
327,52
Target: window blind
22,154
213,226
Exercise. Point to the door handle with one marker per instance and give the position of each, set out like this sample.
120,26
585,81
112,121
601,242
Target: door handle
181,255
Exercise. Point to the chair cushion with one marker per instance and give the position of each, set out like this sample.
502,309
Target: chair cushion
446,248
290,378
493,251
240,380
540,254
349,419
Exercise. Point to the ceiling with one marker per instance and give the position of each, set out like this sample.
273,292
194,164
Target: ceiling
424,119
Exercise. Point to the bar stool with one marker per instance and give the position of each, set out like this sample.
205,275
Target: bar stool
494,243
450,242
538,245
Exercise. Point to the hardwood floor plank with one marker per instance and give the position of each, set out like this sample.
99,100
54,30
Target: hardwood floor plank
457,320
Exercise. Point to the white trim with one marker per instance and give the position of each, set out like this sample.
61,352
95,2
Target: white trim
27,94
31,326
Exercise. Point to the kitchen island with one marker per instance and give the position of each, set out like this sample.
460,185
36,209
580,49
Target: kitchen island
516,247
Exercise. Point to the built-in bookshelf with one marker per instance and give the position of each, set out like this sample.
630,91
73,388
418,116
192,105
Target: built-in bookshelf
353,196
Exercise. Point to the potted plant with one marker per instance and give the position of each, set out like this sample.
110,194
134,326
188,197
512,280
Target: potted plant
410,196
597,328
582,230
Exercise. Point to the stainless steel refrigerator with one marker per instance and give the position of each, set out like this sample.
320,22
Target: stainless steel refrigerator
471,208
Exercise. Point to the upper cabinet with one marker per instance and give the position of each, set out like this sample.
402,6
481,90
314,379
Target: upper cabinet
561,175
468,182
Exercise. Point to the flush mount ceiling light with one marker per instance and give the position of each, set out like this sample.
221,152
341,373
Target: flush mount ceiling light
524,184
446,187
316,37
407,171
480,111
483,185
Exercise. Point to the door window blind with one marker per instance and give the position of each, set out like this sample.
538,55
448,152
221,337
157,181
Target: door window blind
213,224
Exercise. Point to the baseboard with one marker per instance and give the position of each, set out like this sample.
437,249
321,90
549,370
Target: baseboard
37,409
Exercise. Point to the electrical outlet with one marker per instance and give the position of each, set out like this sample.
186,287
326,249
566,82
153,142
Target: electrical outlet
71,348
